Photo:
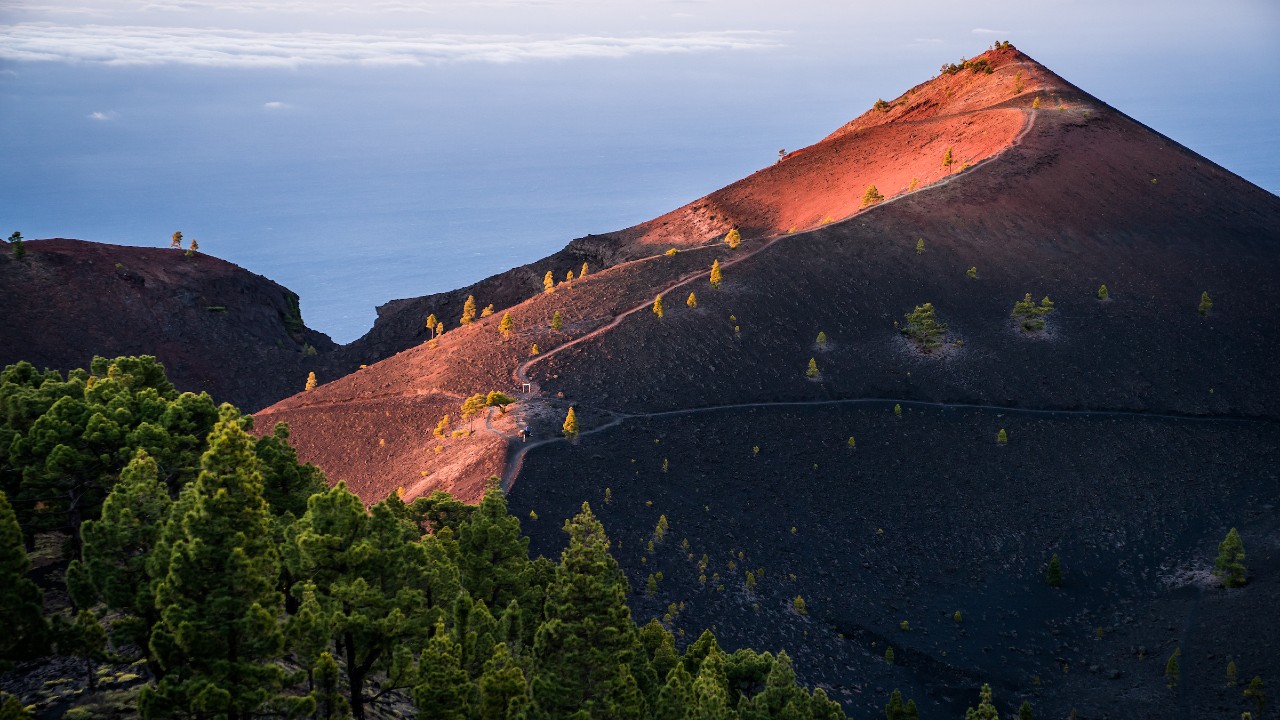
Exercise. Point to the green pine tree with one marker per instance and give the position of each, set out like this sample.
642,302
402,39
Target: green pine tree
1172,672
1053,575
494,557
812,372
1103,293
220,636
25,633
1205,303
116,548
582,652
986,709
444,691
1024,711
19,248
1257,692
920,246
557,322
1229,566
871,196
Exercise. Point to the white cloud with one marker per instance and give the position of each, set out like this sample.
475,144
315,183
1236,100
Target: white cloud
212,47
103,116
989,31
276,105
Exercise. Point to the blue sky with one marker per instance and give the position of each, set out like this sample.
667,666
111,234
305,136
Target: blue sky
362,151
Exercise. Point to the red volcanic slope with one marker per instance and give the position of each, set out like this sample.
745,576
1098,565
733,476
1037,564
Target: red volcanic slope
1058,197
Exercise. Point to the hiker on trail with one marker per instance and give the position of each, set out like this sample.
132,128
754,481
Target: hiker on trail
524,434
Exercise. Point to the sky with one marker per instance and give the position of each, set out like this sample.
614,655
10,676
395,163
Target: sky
358,152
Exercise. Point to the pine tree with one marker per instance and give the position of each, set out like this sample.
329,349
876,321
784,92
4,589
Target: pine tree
692,301
1002,437
568,277
25,633
1172,673
657,306
193,248
1205,303
116,547
812,372
1031,315
548,283
469,310
1053,575
176,242
582,652
821,342
331,704
557,321
19,248
923,327
1229,566
582,273
675,698
972,273
1257,692
286,483
888,655
947,159
503,691
220,636
373,577
506,326
534,349
871,196
1024,711
1231,673
986,709
311,382
1103,294
715,274
431,324
471,407
487,311
494,557
444,691
734,239
84,639
571,425
920,246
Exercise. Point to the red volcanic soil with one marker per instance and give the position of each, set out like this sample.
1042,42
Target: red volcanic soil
215,326
1070,195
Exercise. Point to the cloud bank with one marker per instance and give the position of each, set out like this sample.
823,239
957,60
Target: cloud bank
212,47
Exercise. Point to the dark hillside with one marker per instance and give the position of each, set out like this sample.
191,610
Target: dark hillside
1087,198
214,326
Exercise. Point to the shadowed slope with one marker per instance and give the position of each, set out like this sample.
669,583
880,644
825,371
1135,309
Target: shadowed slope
215,326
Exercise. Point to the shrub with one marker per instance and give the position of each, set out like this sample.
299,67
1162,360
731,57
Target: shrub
1053,575
1103,293
871,196
441,427
311,381
733,239
657,306
1030,315
882,106
487,311
904,626
923,327
1205,303
800,606
1172,673
692,301
812,372
672,252
1229,566
972,273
